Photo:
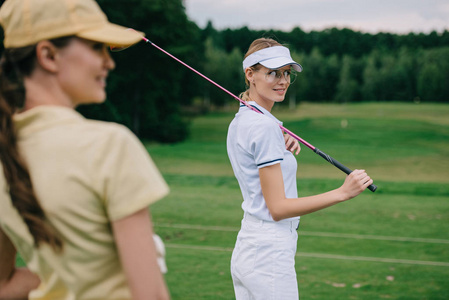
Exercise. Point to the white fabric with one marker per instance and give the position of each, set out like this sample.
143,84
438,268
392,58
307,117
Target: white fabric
160,251
272,58
255,141
263,260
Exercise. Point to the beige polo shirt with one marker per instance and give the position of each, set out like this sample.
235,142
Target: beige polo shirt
85,174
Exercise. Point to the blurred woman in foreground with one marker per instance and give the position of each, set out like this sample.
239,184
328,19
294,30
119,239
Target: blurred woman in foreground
74,193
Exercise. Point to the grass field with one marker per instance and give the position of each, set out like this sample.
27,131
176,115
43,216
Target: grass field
391,244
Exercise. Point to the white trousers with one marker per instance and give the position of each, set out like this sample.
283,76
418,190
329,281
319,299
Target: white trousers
263,260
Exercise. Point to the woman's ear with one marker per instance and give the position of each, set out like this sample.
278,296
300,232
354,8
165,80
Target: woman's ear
249,73
46,54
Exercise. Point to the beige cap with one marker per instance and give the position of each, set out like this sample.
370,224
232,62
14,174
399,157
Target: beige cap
26,22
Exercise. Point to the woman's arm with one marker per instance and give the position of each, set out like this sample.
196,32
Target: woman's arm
15,283
280,207
134,238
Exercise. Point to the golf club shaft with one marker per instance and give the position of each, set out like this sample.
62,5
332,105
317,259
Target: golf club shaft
327,157
334,162
340,166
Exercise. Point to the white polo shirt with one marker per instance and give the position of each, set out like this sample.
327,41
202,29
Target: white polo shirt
255,141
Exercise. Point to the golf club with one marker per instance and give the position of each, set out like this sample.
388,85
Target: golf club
327,157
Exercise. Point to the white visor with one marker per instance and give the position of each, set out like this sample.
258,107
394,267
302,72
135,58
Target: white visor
272,58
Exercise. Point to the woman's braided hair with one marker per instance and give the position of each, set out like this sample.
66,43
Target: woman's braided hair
15,64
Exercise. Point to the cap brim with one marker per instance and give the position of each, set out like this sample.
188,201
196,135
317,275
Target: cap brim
113,35
279,62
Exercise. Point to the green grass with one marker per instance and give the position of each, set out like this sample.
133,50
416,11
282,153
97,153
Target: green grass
391,244
403,146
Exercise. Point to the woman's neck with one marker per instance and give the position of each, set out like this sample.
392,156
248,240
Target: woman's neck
41,92
268,105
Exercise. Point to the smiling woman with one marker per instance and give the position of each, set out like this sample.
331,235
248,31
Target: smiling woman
82,71
79,71
263,260
74,192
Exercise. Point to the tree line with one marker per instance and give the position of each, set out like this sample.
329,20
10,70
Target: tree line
341,65
154,95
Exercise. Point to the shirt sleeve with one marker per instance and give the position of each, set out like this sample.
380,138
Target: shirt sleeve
132,180
267,143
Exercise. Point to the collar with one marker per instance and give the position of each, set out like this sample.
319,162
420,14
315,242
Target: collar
44,116
243,107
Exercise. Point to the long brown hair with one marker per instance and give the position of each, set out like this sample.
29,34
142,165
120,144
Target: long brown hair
255,46
15,64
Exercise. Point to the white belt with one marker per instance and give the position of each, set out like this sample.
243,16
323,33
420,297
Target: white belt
291,223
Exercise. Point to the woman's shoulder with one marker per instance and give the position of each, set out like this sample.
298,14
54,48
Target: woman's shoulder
55,123
252,126
106,127
103,130
256,119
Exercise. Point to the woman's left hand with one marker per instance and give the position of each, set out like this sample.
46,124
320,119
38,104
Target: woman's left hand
291,144
15,283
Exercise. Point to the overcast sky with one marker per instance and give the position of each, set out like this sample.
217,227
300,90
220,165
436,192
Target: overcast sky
395,16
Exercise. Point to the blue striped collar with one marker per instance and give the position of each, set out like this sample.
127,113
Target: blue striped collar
260,109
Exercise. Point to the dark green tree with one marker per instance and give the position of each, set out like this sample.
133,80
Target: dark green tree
371,78
148,89
348,89
226,70
433,76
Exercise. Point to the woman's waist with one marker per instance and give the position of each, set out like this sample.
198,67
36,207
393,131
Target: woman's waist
256,222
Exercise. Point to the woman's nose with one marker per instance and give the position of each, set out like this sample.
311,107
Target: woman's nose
109,62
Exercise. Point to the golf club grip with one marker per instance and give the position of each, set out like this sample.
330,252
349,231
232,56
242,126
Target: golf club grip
339,165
